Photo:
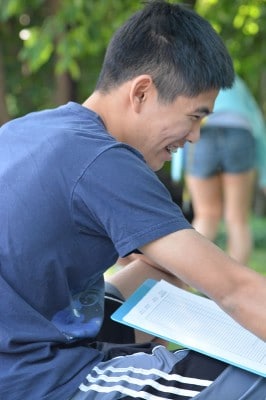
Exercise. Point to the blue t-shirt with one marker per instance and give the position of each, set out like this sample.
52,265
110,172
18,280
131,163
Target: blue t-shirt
72,200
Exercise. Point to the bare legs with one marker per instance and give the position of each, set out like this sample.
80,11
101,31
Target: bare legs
227,196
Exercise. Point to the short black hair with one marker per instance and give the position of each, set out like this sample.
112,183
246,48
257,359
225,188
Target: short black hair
174,45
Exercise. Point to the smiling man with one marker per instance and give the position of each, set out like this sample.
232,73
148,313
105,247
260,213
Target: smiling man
154,126
78,190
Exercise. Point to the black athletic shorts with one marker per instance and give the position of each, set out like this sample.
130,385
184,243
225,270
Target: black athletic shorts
151,372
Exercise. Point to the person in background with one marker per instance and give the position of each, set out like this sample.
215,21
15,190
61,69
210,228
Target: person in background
79,189
220,169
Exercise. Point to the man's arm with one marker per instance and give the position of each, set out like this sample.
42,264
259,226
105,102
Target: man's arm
238,290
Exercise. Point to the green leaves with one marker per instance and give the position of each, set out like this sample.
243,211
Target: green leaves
44,39
38,49
10,8
13,8
241,23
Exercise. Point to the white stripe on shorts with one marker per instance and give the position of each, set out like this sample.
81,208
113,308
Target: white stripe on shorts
129,381
159,373
136,393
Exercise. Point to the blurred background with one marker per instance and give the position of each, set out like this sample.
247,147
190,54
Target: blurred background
51,52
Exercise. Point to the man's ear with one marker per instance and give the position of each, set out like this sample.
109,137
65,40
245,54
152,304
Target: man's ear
139,91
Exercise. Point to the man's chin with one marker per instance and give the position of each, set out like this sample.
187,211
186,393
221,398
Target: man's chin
158,167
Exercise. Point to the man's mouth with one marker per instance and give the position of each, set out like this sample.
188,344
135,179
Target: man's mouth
171,149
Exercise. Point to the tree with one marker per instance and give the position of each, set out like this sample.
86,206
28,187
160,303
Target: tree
241,24
58,47
52,50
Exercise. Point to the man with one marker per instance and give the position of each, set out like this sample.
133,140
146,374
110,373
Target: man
78,190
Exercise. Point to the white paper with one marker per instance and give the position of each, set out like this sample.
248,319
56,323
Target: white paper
198,323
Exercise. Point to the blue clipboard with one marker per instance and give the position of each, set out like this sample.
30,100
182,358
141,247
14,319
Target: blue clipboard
119,314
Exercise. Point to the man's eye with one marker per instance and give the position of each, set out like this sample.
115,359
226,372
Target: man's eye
196,117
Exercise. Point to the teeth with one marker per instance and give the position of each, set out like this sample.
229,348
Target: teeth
172,149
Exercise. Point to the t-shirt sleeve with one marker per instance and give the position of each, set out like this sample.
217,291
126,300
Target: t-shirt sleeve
121,198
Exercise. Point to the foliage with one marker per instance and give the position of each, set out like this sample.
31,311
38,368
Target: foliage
44,39
49,38
258,256
241,23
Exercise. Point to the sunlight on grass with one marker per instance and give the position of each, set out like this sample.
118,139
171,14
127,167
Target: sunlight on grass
258,260
258,256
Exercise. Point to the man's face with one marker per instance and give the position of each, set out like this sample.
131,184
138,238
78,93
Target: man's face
163,128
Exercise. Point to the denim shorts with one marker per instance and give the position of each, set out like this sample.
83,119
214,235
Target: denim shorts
228,149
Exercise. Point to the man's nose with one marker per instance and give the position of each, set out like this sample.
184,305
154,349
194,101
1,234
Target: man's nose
194,134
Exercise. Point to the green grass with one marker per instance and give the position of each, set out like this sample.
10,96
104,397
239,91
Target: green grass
258,256
258,260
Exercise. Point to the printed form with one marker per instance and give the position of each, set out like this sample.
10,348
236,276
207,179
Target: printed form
194,322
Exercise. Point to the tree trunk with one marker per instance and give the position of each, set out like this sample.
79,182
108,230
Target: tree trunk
4,115
65,89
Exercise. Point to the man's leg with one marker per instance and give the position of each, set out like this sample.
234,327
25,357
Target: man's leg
150,374
112,331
